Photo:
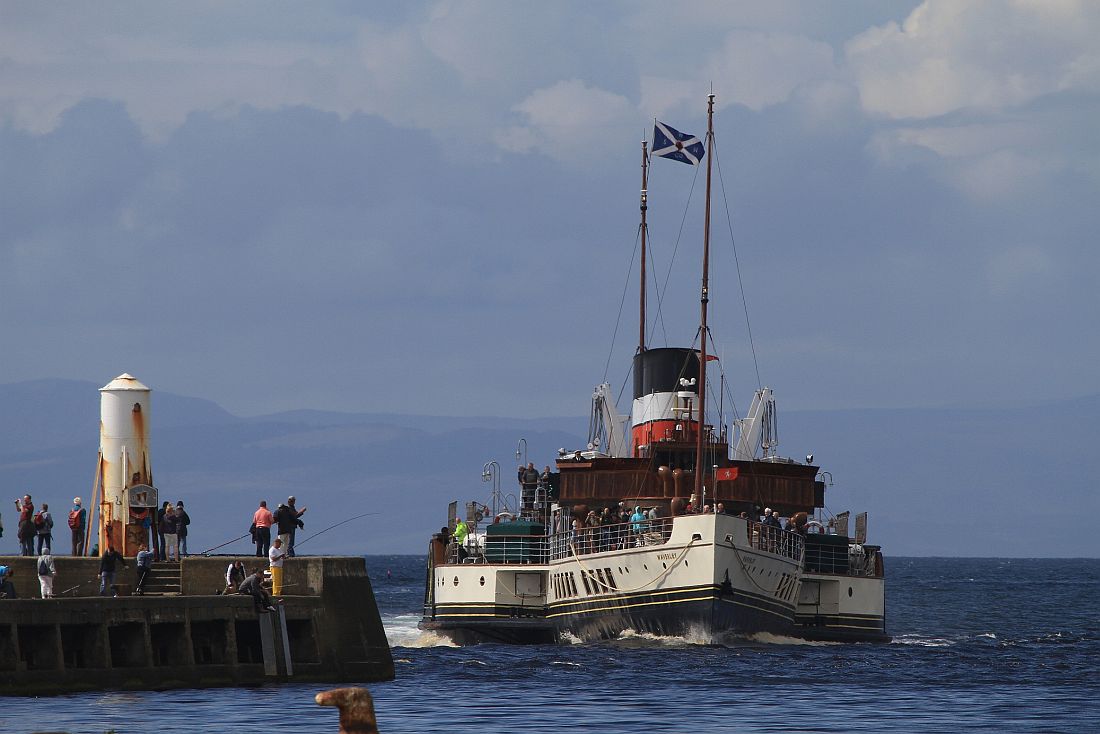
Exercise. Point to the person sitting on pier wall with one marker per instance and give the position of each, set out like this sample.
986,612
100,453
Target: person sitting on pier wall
46,573
276,556
7,587
235,575
78,523
108,566
254,585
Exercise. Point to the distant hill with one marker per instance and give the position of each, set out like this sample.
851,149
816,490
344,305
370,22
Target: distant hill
936,482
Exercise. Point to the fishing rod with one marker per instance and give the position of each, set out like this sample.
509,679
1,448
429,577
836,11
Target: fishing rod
208,550
330,527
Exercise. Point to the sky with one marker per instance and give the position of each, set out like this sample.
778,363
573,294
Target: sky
432,207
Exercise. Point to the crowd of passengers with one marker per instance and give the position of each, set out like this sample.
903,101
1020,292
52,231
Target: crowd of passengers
616,530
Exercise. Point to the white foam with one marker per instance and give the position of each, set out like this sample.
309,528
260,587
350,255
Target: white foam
767,638
401,631
923,641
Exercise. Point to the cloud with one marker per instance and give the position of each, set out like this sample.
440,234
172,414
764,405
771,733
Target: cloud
984,55
751,68
569,121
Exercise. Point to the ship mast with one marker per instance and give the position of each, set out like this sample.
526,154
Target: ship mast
644,205
700,464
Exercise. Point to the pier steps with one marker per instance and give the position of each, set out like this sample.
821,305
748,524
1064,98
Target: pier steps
163,579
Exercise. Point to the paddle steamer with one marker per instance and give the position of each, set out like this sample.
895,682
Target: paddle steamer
694,557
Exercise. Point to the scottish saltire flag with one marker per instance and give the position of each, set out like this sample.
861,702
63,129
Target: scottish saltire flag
671,143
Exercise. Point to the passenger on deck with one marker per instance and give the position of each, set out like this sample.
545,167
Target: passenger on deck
830,529
706,509
592,530
720,509
622,527
576,534
606,521
460,534
638,521
529,481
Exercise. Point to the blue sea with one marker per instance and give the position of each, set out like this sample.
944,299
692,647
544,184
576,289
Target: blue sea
1006,645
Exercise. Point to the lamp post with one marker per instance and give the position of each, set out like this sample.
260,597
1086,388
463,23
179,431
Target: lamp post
521,450
490,472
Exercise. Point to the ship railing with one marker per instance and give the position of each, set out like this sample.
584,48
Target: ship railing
609,537
775,540
507,549
864,560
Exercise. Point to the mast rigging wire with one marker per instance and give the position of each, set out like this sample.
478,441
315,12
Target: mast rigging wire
622,302
676,249
737,263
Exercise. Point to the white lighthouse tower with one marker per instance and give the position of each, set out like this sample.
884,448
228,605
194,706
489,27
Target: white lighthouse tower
126,475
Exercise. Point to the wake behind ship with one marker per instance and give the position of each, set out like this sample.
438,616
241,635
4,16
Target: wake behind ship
664,523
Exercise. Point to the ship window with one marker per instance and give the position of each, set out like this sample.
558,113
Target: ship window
603,583
610,578
573,584
584,580
482,580
849,591
456,580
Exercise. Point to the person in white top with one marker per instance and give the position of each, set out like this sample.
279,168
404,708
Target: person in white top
276,556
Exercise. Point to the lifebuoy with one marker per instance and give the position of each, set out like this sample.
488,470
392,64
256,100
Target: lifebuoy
501,515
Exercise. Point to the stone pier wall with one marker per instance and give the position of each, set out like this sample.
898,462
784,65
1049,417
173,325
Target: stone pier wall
80,642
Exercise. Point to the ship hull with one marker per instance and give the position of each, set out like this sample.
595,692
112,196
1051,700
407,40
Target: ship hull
707,581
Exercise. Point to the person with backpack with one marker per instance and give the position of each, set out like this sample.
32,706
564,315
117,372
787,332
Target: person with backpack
43,527
46,573
78,524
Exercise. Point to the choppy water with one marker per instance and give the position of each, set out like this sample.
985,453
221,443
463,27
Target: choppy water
979,645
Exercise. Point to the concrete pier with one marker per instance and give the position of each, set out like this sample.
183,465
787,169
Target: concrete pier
327,629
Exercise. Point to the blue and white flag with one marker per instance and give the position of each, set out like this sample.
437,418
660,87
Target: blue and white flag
671,143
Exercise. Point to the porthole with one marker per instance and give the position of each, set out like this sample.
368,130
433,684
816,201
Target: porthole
482,580
456,580
849,591
645,566
664,565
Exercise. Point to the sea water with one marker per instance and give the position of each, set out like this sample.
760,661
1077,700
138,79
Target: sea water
1006,645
